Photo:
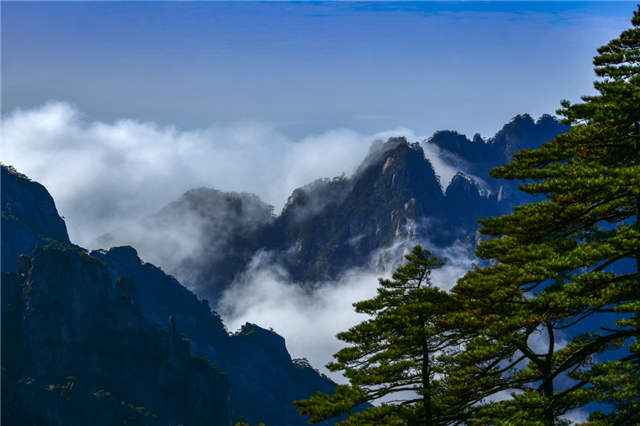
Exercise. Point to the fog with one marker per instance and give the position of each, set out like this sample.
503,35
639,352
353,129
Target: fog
310,319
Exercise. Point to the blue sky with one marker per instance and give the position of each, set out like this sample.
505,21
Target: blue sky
306,67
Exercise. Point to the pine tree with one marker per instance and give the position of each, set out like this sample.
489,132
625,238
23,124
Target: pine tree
554,320
394,355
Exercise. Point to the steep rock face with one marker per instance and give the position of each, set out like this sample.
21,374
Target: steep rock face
161,296
268,379
84,354
264,380
29,216
465,202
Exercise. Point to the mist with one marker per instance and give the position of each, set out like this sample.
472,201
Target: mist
309,320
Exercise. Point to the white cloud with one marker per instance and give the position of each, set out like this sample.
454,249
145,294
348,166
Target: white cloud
104,175
447,168
577,416
444,169
538,341
309,321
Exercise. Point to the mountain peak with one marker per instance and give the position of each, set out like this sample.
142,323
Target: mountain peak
379,151
268,340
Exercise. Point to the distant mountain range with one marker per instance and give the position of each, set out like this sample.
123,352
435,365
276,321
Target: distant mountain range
393,199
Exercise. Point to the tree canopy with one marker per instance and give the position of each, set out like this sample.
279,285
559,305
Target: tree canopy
393,356
551,323
556,313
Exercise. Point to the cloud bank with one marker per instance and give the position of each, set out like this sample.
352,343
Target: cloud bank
103,175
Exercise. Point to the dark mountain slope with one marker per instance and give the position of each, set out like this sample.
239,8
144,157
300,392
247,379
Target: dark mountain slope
264,380
29,217
103,337
465,202
78,351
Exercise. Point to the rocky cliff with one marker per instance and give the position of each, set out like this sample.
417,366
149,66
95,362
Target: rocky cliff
479,156
264,380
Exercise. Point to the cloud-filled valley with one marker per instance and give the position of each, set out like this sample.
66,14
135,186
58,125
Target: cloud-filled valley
151,186
198,198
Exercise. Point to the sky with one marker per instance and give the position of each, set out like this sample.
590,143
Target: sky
305,68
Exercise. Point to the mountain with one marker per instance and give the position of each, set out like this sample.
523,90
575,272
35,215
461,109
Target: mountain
103,338
82,353
29,217
394,190
205,230
477,156
393,200
264,379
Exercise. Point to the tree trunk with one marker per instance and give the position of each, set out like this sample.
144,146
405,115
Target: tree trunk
547,381
426,378
638,227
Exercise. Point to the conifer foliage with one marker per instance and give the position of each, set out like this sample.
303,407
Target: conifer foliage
563,290
394,355
552,323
